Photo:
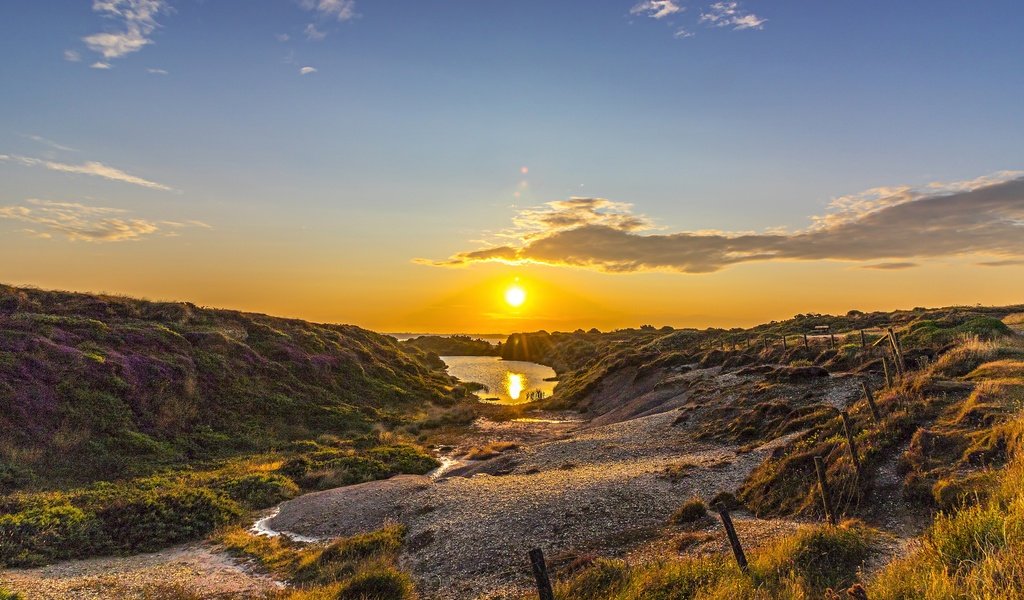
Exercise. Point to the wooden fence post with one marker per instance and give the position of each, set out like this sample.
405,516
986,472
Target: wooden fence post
863,339
832,340
765,340
540,573
871,400
734,540
784,342
807,346
888,374
848,429
826,500
897,355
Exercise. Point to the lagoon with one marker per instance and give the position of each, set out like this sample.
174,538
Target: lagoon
507,381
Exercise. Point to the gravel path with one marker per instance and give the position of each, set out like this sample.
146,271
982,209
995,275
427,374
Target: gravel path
596,490
192,570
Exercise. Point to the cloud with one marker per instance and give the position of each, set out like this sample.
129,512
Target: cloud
93,168
40,139
729,14
153,71
306,70
682,33
72,56
1010,262
891,266
138,20
894,226
78,222
312,33
99,65
341,10
655,9
282,37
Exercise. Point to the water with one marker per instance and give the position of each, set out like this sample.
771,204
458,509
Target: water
510,381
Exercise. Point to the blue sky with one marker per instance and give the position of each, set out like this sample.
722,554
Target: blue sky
408,138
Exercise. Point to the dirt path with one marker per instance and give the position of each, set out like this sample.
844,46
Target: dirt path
189,571
600,489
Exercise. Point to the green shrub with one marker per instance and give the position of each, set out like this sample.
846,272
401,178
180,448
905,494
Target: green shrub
152,520
691,511
378,582
46,532
259,490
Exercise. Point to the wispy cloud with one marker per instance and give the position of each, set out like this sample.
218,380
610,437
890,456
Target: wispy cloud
730,14
306,70
1010,262
282,37
52,144
890,266
984,216
79,222
312,33
655,9
153,71
72,56
341,10
327,11
93,168
99,65
137,20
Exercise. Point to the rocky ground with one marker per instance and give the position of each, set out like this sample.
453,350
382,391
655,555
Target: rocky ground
602,489
189,571
600,486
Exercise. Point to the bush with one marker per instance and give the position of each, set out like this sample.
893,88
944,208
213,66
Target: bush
152,520
50,531
691,511
823,556
602,579
259,490
378,583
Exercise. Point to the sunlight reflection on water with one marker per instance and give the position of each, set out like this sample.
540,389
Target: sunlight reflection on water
507,381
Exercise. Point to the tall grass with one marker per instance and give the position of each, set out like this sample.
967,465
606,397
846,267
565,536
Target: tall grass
804,565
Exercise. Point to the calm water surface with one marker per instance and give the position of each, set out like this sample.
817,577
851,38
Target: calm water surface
510,381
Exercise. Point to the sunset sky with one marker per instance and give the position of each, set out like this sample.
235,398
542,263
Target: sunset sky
397,165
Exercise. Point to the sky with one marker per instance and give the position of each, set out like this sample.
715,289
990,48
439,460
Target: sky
399,165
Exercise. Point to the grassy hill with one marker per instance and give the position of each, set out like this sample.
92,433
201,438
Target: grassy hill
126,424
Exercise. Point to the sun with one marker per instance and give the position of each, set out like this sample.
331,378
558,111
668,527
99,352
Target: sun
515,295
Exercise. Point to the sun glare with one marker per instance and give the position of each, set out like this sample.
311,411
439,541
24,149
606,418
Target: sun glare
515,295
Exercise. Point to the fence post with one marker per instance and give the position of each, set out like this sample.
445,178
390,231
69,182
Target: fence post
734,540
540,573
784,342
832,340
765,340
888,374
819,467
897,355
848,429
871,400
863,339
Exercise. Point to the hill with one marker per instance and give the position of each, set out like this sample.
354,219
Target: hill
453,345
127,424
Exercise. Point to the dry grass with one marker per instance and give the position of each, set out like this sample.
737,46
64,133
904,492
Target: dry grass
356,567
489,451
803,565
